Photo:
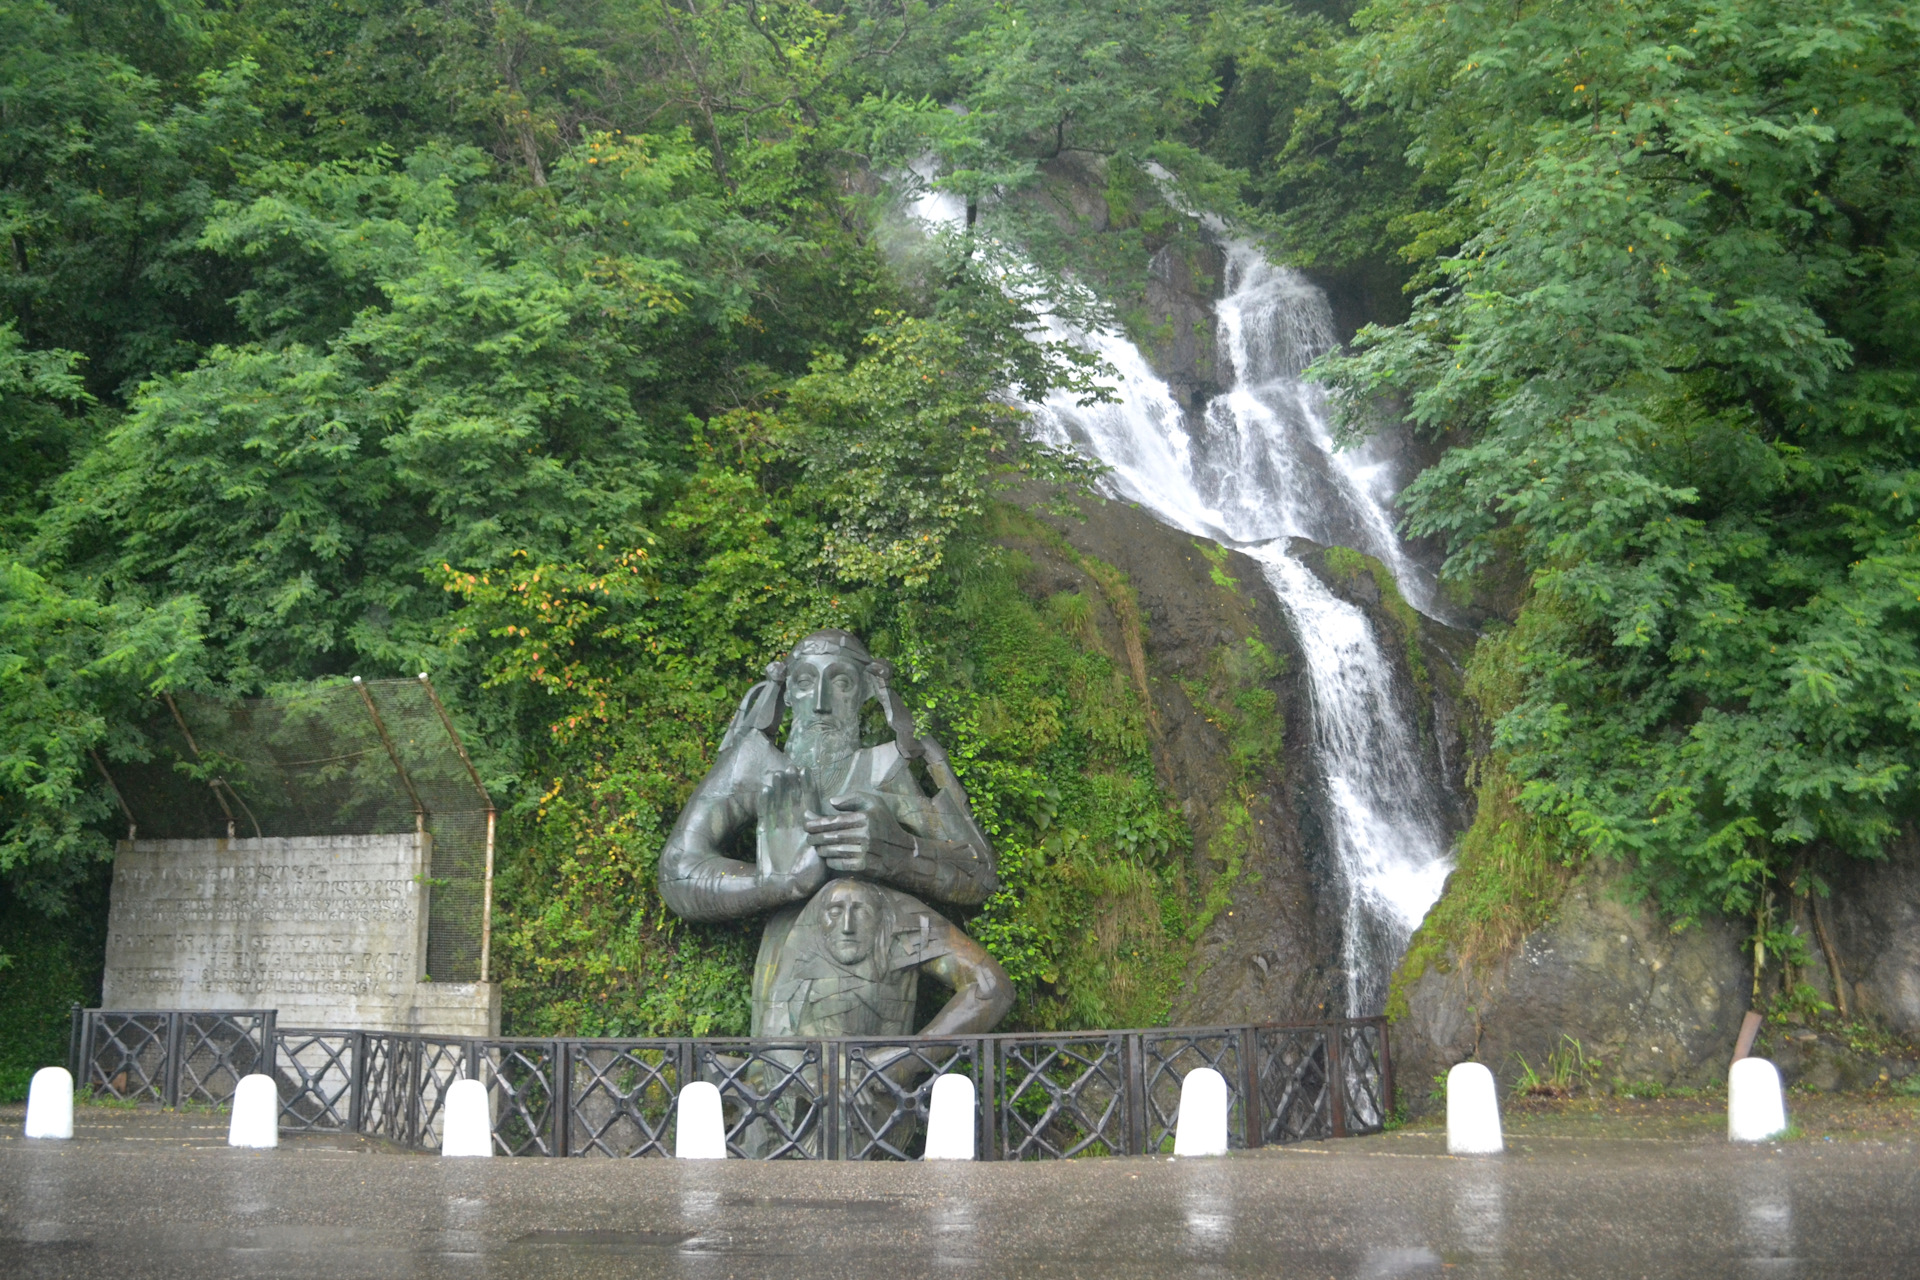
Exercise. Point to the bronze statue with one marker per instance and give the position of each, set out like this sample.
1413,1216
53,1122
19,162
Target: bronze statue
844,838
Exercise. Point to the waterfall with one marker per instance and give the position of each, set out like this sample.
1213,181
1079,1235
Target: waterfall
1257,467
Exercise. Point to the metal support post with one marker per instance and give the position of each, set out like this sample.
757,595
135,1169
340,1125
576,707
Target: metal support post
990,1097
267,1063
220,787
170,1065
83,1078
1336,1081
562,1100
393,754
1250,1073
415,1077
133,828
486,906
76,1020
830,1062
357,1089
1133,1070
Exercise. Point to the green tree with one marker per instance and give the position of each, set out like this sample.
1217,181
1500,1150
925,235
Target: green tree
71,670
1670,326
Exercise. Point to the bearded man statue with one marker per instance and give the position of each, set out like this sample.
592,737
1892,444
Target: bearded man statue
847,845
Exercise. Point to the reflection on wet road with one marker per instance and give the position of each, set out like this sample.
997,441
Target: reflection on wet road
133,1198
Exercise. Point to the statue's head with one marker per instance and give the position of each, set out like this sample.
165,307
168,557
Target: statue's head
852,916
829,678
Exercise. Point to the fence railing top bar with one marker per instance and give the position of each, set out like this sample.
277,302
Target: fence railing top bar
799,1042
773,1041
1174,1033
165,1013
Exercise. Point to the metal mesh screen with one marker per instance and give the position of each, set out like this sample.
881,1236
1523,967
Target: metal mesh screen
374,758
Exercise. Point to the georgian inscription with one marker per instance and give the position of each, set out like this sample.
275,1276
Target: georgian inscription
325,929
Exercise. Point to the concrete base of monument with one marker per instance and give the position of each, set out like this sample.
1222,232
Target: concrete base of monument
331,931
454,1009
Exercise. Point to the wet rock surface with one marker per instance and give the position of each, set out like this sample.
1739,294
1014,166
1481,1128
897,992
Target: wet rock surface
1649,1004
1873,922
1271,955
1653,1007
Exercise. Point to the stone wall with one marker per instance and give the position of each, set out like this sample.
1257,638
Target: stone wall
329,930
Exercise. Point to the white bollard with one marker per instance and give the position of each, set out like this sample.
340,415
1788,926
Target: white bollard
1201,1129
700,1130
256,1113
466,1125
1756,1108
50,1104
951,1119
1473,1112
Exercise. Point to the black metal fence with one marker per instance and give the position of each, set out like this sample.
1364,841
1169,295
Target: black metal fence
1042,1097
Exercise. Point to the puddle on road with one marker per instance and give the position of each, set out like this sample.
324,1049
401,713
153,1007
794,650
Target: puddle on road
851,1208
600,1241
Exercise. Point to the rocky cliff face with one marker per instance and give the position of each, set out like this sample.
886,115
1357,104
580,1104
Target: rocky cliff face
1270,949
1265,953
1645,1006
1605,982
1872,922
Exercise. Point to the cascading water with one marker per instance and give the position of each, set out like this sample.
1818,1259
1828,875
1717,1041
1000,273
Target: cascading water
1256,468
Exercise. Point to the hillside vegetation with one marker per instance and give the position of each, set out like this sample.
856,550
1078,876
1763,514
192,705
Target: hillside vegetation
578,352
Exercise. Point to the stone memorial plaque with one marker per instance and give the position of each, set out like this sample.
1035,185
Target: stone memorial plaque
329,930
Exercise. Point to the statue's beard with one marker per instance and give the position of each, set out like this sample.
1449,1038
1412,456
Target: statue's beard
821,746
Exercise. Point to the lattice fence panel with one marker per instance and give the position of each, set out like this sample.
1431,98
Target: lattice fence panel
438,1064
386,1108
315,1073
624,1097
127,1056
886,1087
1294,1098
520,1076
773,1097
1063,1096
214,1051
1166,1057
1365,1089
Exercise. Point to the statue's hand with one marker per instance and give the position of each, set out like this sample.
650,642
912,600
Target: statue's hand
786,859
808,874
862,836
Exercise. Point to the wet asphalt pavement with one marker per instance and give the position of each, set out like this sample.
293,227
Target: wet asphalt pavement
160,1195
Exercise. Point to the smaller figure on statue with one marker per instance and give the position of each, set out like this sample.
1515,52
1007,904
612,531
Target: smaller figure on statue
844,836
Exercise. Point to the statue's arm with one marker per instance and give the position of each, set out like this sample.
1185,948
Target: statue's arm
950,850
898,835
947,870
982,991
700,882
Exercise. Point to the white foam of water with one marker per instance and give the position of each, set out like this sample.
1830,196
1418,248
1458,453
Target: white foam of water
1258,466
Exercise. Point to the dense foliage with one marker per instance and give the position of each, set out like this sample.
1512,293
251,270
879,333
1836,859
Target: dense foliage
579,353
1670,335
